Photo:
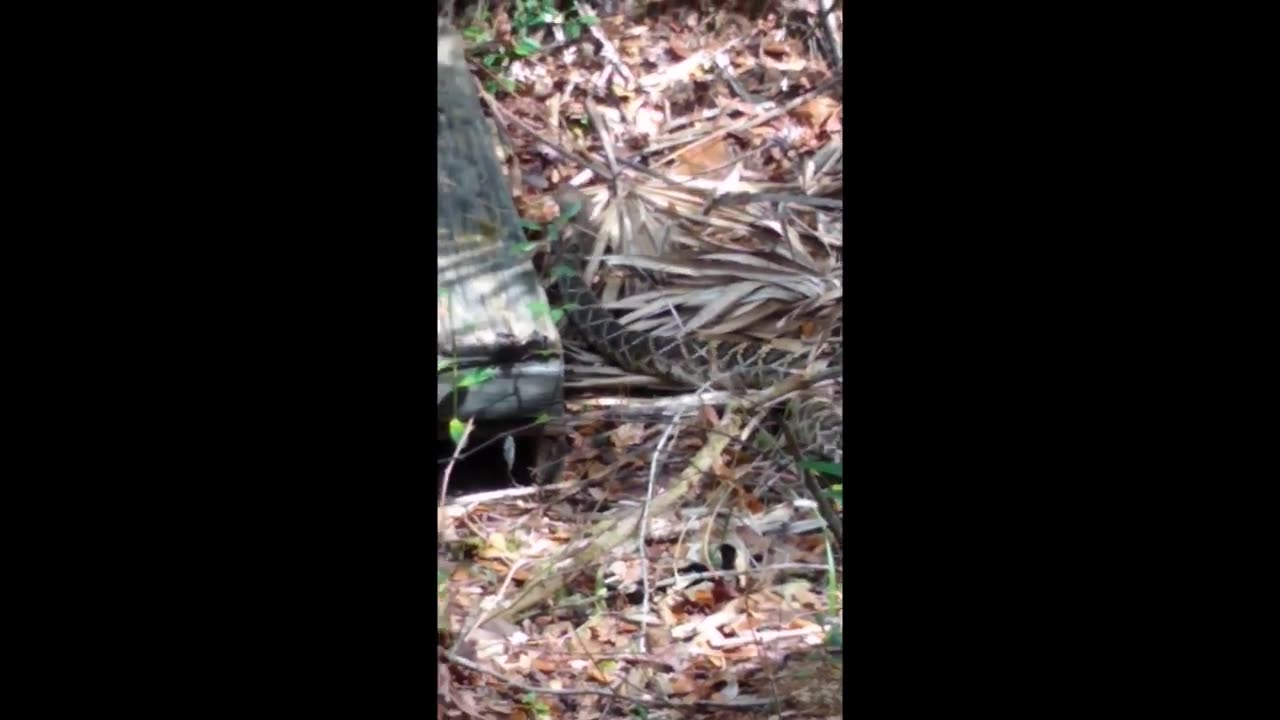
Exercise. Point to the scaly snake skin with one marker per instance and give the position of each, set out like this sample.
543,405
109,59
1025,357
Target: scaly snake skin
727,365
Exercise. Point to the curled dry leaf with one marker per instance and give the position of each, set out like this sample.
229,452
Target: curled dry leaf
818,111
719,468
679,48
628,435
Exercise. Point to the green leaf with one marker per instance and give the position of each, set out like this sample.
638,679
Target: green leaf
589,19
538,707
456,428
765,442
835,638
443,364
543,418
561,270
492,59
526,46
477,376
539,308
573,30
476,34
568,212
837,491
826,468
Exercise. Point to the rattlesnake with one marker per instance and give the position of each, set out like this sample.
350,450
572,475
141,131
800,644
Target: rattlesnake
730,365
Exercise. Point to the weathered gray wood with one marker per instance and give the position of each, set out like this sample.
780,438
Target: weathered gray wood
520,390
491,309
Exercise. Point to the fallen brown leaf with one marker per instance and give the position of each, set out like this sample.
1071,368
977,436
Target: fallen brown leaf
817,111
679,49
627,435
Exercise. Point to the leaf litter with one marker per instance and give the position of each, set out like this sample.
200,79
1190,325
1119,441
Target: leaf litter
712,144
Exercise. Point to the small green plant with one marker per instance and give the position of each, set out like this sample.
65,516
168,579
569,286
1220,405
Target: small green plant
550,233
537,708
476,35
835,588
573,25
826,468
469,378
476,376
530,14
456,430
541,309
835,639
567,213
442,594
526,18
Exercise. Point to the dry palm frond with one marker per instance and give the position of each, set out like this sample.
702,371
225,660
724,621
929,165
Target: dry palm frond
761,268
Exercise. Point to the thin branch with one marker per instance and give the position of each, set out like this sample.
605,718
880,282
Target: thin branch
457,450
667,435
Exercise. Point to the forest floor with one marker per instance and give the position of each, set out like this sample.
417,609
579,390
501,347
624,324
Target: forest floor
728,603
